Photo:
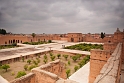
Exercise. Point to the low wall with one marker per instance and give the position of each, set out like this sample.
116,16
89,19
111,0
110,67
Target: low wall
55,67
43,76
49,73
29,78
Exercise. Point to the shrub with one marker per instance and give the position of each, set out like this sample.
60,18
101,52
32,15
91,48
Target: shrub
74,58
25,67
26,43
65,56
12,73
79,55
58,55
32,66
51,54
23,59
45,61
38,60
38,55
20,74
81,63
28,61
49,41
5,67
68,72
69,63
76,68
35,62
45,56
14,44
53,58
85,47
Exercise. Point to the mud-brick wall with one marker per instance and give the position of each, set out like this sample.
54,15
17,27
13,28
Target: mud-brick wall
44,76
109,46
55,67
97,60
29,78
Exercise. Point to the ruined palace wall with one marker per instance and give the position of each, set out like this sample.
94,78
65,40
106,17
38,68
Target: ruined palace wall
50,72
75,37
118,36
109,46
97,60
29,78
91,39
110,73
55,67
123,52
9,39
64,39
44,76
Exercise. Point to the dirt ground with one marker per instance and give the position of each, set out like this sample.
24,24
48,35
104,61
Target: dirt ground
19,66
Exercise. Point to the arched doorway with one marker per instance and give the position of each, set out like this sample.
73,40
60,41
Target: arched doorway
72,39
14,41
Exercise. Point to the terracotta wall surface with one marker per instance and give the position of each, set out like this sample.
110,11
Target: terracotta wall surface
55,67
44,77
100,58
75,37
70,37
9,39
29,78
110,72
97,60
48,73
109,46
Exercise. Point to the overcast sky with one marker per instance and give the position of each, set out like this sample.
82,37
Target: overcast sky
61,16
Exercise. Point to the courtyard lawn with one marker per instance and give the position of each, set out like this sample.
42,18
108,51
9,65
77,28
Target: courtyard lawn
27,64
85,47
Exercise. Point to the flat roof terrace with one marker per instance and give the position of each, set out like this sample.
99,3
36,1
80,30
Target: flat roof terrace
16,52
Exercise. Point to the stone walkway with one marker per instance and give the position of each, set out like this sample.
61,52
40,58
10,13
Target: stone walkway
2,80
82,75
122,74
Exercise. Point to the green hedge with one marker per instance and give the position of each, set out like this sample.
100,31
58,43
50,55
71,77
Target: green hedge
85,47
